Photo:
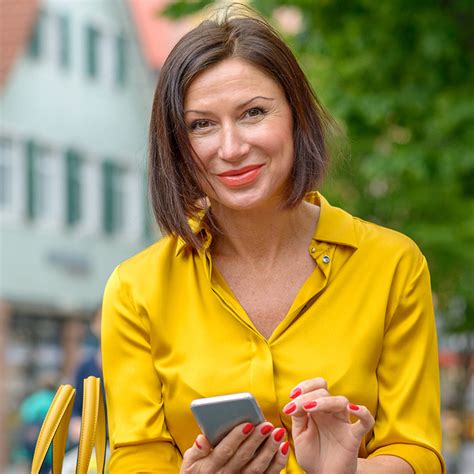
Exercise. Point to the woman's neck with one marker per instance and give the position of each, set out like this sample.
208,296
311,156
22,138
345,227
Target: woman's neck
262,235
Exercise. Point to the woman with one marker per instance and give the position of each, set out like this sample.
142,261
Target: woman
261,286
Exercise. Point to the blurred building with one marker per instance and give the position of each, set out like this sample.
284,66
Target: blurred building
76,86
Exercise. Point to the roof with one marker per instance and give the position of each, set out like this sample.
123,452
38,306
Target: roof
157,34
17,21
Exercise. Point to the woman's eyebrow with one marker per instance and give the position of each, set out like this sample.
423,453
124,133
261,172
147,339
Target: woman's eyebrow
241,106
199,112
255,98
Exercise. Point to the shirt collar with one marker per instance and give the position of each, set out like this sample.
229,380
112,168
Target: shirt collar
199,228
334,226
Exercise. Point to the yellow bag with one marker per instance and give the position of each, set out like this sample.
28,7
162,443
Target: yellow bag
55,429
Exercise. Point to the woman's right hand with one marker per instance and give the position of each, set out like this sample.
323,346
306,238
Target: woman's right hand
325,438
246,449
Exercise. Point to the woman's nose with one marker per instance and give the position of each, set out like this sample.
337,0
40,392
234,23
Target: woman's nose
232,146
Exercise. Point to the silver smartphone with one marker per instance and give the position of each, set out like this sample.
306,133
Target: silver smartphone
216,416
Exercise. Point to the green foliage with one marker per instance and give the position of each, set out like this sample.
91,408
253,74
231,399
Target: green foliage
184,8
398,76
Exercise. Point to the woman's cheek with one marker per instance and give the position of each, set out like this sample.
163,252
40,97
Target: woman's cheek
203,151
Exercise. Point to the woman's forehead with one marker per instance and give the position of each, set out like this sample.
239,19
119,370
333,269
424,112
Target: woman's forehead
229,78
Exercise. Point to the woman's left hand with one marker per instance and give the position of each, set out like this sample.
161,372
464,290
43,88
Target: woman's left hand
325,439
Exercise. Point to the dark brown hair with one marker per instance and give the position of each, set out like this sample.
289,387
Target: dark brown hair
173,174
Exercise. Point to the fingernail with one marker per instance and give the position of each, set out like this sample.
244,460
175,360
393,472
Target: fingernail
296,392
354,407
197,444
309,405
285,447
278,436
247,428
289,408
266,429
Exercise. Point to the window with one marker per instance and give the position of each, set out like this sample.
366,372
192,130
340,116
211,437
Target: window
64,41
6,173
93,40
30,178
12,179
74,179
121,60
36,43
40,182
114,197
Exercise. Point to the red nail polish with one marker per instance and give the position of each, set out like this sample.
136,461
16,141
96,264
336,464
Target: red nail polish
266,429
247,428
197,444
310,405
354,407
278,436
296,392
290,408
285,447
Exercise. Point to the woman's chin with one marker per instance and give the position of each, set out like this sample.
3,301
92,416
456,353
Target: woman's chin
243,203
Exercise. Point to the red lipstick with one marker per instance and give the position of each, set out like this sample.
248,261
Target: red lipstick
240,177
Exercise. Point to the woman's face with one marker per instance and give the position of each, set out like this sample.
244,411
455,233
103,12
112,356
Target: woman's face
240,126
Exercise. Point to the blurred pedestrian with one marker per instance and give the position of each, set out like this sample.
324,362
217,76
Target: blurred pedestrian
33,410
90,366
452,440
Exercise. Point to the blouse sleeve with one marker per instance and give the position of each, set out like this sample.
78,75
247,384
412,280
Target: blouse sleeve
139,438
408,413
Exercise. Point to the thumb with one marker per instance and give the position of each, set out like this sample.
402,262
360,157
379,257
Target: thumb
200,449
366,420
299,417
299,423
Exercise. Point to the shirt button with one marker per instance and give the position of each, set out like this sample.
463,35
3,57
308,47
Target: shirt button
326,259
312,250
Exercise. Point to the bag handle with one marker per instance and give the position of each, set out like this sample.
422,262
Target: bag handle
93,427
55,430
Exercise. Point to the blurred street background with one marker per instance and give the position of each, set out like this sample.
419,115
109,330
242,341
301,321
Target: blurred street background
76,86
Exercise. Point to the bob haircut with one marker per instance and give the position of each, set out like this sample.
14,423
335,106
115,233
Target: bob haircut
173,174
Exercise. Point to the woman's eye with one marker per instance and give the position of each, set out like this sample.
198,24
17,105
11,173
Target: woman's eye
255,112
200,124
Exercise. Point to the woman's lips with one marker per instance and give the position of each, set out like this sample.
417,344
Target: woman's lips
240,177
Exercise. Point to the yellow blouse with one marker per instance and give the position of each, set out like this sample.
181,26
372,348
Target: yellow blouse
172,331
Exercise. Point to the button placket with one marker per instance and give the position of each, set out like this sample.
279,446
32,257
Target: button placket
311,288
262,378
325,259
318,249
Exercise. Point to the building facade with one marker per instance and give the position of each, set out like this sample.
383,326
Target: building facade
74,107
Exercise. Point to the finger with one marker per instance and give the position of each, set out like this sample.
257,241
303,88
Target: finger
327,404
296,407
246,451
365,420
308,386
291,407
299,414
200,449
227,448
299,418
266,453
280,460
